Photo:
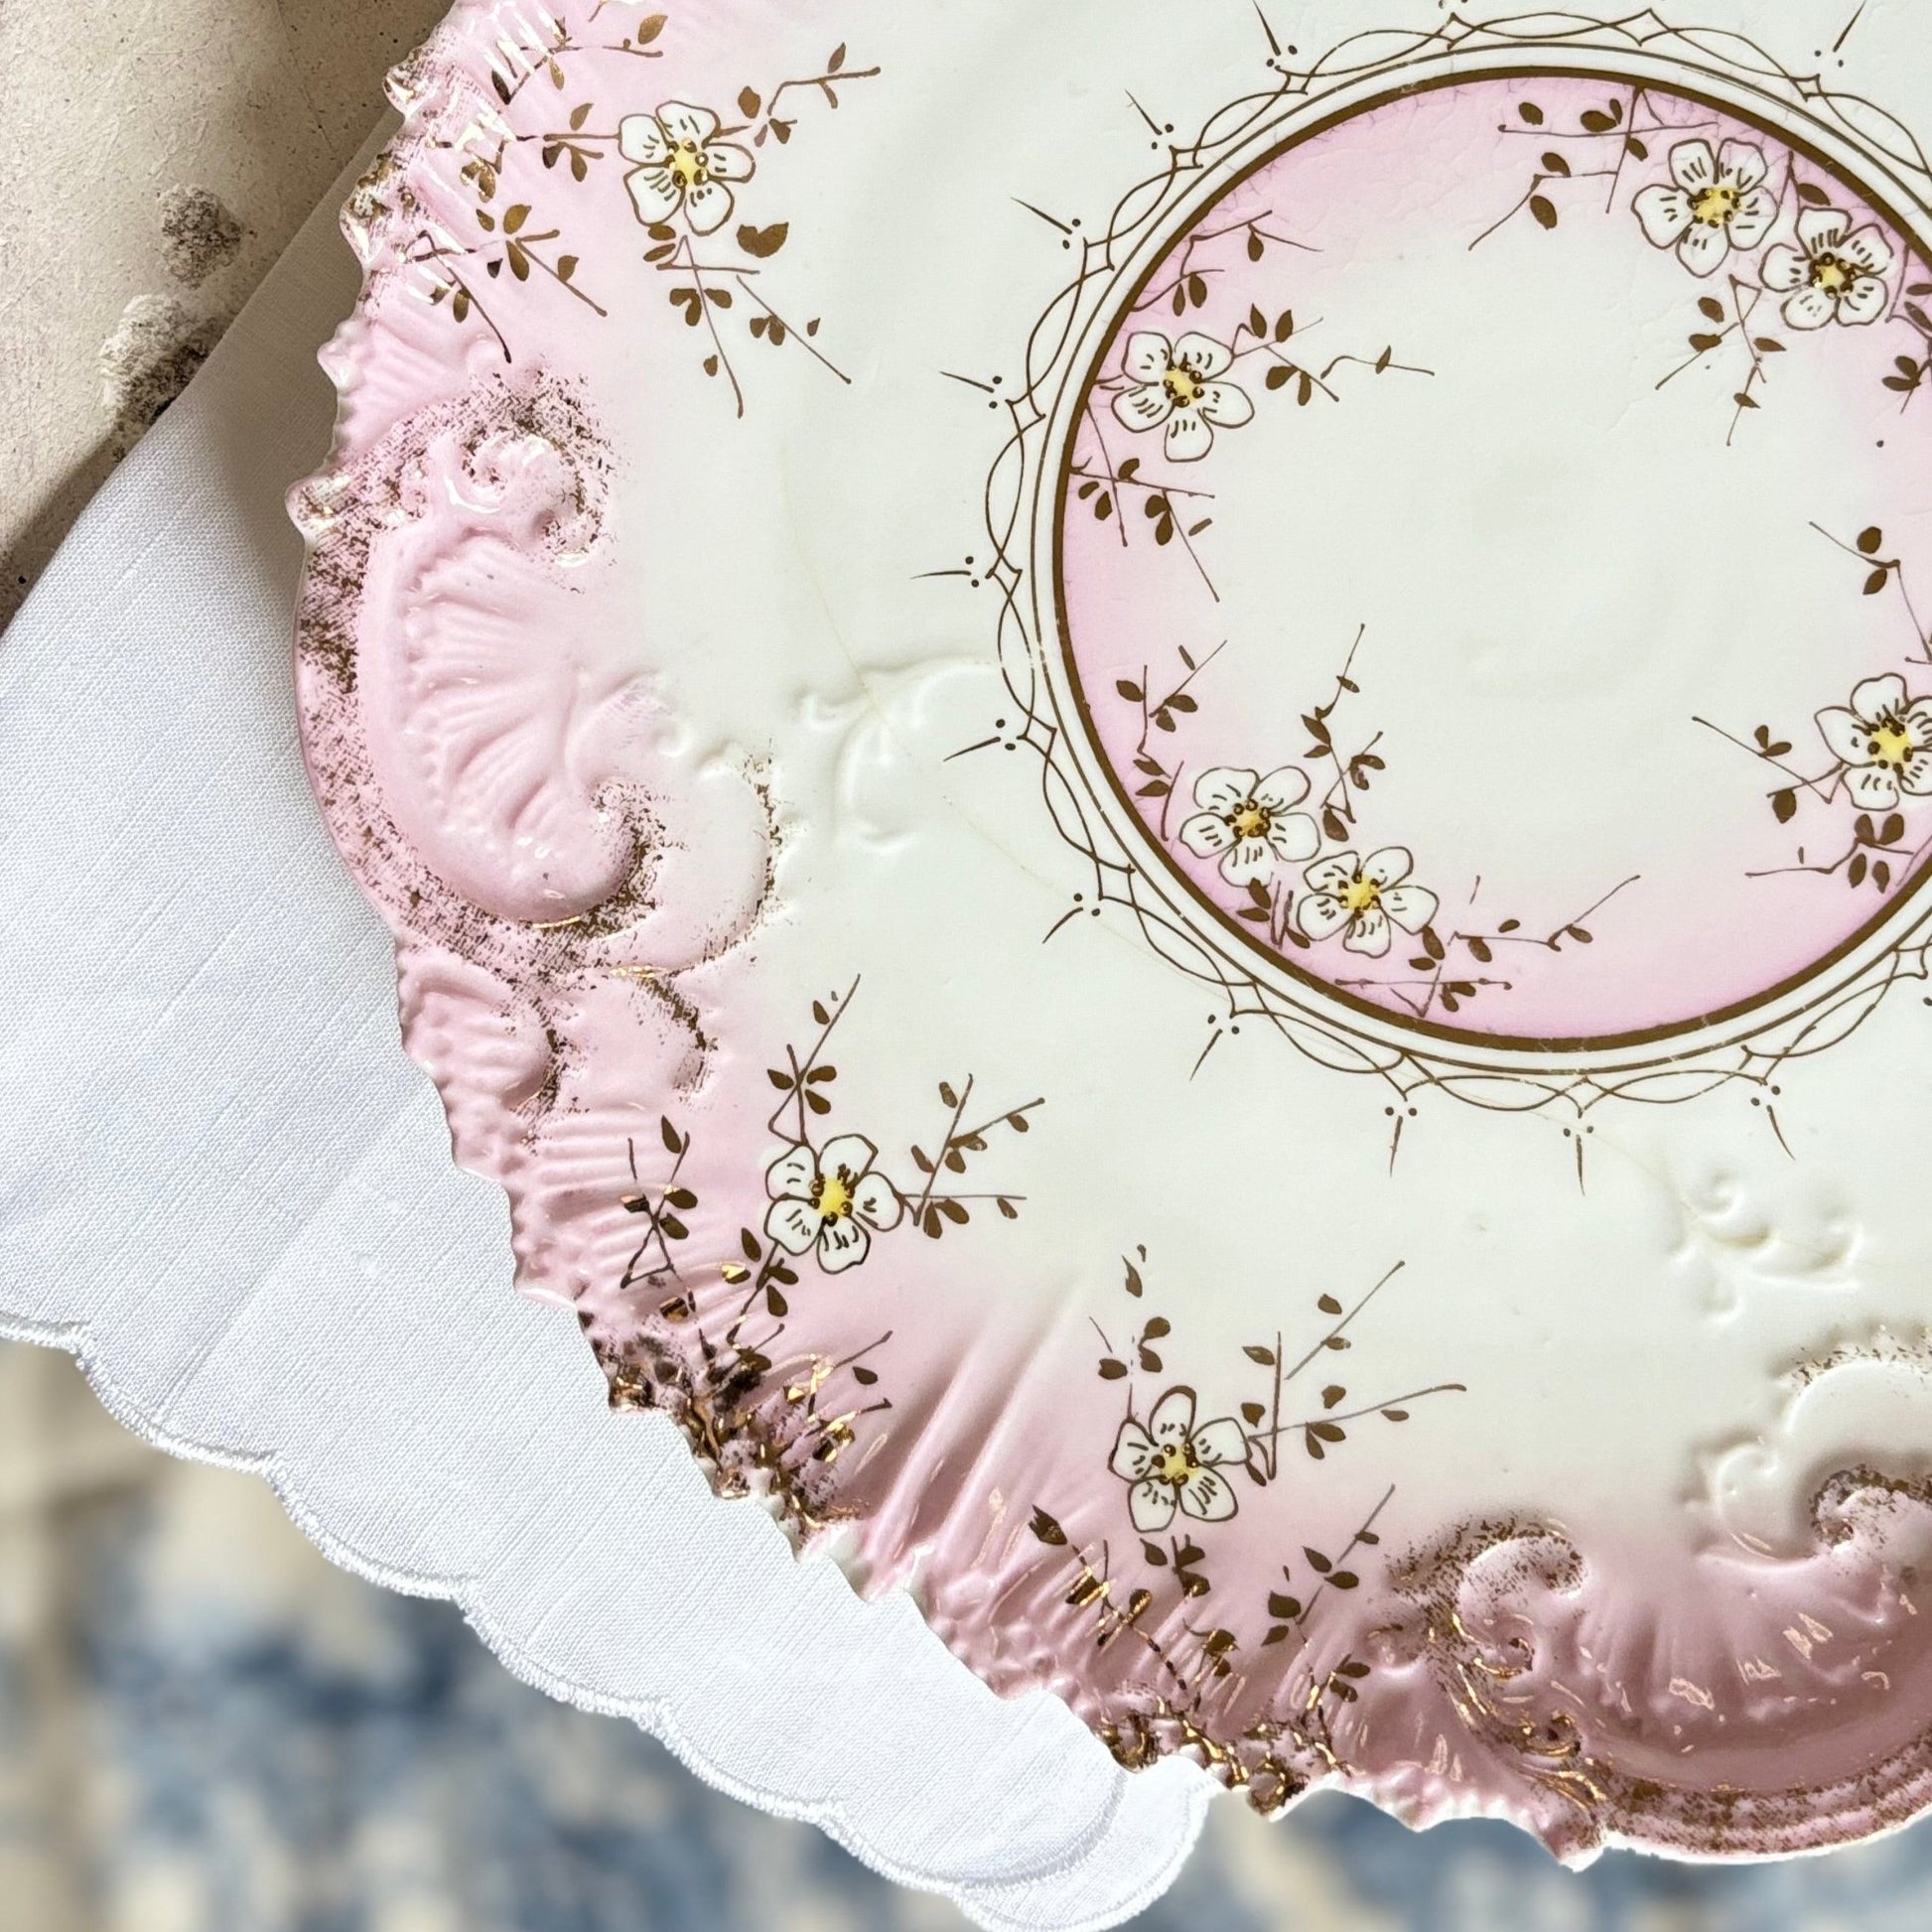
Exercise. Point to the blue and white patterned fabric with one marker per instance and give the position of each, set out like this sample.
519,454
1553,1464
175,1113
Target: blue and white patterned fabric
203,1727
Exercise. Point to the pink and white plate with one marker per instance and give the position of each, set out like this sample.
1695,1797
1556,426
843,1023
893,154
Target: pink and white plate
1164,800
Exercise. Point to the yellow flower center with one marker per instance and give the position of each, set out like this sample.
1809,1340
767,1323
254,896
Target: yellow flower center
1892,745
1250,821
1830,274
688,164
834,1196
1715,206
1175,1464
1362,895
1182,385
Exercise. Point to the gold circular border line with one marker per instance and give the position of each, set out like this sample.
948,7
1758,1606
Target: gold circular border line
1118,310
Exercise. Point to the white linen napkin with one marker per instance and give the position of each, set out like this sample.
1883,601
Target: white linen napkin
224,1187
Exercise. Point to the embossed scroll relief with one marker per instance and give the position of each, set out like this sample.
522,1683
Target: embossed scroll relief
1167,817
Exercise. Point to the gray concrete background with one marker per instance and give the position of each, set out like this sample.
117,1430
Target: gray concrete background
154,157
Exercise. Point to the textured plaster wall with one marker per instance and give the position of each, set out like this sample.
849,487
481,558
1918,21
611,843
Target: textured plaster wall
155,156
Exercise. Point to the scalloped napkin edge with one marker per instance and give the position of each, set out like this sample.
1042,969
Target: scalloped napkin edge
225,1188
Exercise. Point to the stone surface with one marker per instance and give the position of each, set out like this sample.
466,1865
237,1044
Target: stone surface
159,155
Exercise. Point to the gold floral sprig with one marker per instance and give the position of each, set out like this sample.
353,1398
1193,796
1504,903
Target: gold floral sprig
1443,976
688,166
714,1362
1186,389
1188,285
1909,374
831,1197
512,75
1181,1464
487,145
1879,573
508,242
663,1208
684,171
935,1211
1262,825
762,109
1715,208
1878,747
1168,509
1276,799
1327,1427
1253,823
1616,120
1180,1467
830,1200
719,1386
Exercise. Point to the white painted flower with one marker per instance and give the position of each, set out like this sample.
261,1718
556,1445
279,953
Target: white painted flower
1173,1466
1885,741
682,165
1834,274
1250,822
1716,202
831,1200
1179,384
1361,898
